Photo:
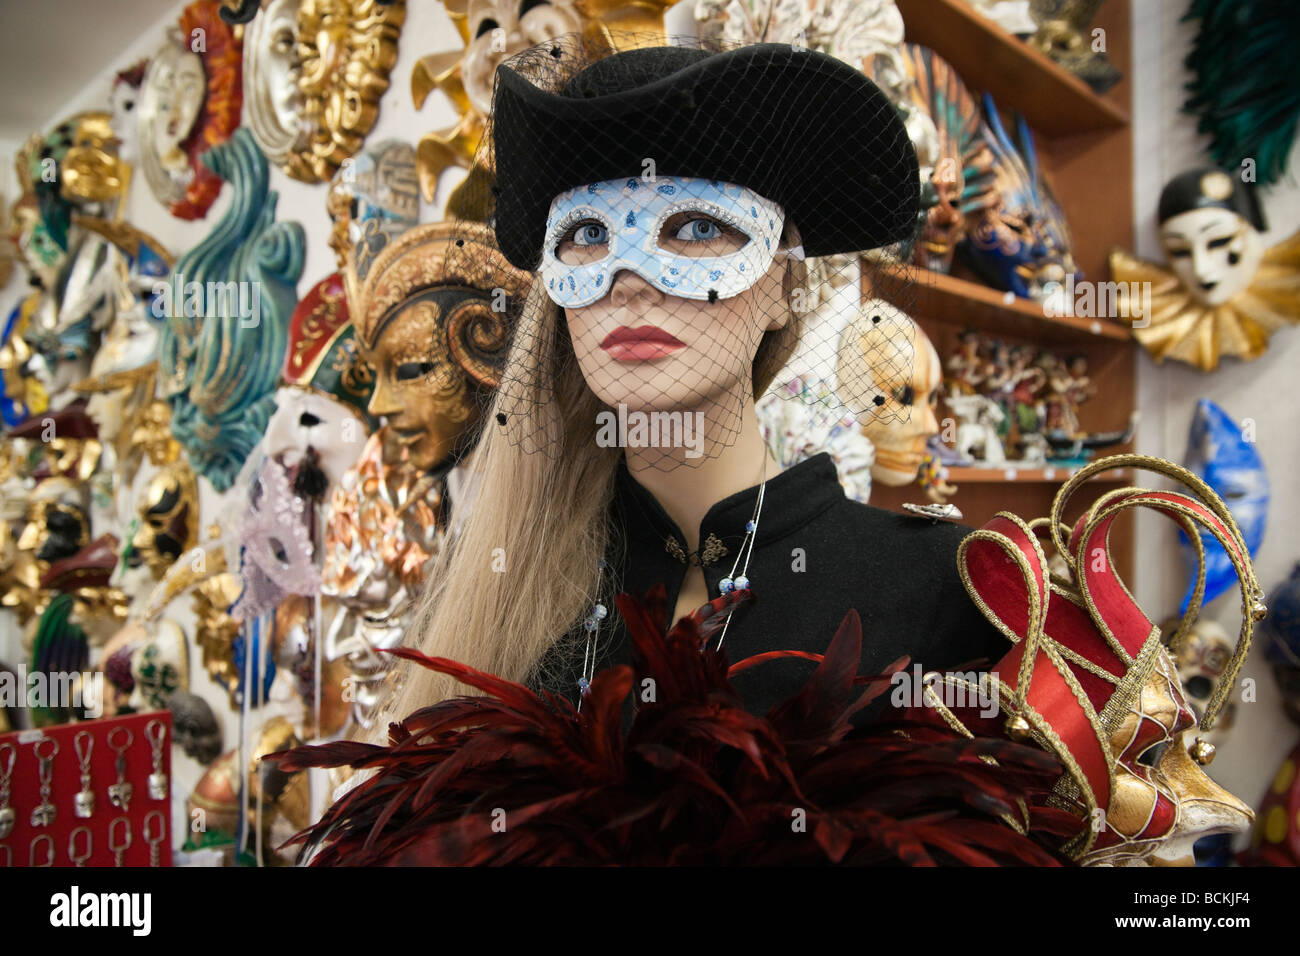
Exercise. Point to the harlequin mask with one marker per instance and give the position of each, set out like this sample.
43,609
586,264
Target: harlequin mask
1089,678
594,231
321,414
168,514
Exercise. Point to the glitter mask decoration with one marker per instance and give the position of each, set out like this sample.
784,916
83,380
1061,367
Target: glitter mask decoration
681,236
618,224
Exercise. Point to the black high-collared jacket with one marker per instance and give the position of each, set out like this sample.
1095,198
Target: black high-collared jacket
816,555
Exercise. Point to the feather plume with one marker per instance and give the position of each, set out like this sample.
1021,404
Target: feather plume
513,777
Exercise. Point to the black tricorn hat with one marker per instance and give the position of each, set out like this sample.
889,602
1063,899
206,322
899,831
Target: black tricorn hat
798,127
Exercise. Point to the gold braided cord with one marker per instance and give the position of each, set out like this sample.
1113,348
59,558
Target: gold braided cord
1245,575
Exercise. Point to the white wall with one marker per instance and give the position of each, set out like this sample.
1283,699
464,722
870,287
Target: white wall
1165,143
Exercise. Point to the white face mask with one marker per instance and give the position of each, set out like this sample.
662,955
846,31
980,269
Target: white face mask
619,224
1214,252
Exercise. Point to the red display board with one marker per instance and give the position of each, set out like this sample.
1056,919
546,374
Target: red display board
128,825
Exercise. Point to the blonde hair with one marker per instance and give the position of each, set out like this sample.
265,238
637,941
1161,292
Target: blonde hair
524,567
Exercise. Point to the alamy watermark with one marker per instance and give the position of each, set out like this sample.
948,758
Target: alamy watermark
1130,301
954,689
56,690
176,298
675,429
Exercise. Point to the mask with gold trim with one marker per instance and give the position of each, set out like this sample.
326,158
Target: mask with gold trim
320,414
429,327
1090,679
492,31
92,170
1223,292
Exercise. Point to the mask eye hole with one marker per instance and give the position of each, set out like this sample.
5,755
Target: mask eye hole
407,371
691,233
583,242
1151,756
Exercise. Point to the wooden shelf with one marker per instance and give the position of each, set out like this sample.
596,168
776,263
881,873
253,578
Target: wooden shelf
1050,475
944,298
1053,100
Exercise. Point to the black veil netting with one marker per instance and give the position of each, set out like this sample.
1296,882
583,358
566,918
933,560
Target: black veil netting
645,181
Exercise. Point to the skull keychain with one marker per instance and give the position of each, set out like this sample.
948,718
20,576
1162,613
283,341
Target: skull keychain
119,794
119,844
156,731
85,799
153,835
43,813
79,860
7,754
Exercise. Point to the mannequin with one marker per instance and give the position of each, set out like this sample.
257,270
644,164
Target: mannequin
647,302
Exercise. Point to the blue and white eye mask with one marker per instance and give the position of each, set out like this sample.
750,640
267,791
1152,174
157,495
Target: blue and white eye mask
632,213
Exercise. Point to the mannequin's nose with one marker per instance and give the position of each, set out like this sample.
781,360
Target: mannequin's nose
631,290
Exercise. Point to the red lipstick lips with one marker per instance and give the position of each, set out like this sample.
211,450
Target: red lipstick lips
640,344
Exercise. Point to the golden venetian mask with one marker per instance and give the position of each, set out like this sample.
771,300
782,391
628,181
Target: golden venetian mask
92,171
427,323
346,49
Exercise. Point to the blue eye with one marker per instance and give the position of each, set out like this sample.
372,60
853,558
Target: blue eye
590,234
699,230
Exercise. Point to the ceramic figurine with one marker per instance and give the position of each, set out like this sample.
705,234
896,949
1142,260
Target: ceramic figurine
1017,240
1223,292
1063,34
